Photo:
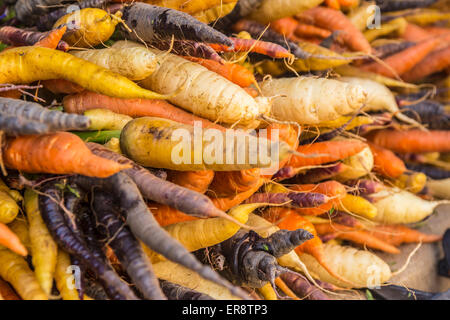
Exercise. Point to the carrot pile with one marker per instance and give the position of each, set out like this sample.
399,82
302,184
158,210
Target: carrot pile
203,150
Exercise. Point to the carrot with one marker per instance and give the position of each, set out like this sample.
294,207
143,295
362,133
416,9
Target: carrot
8,208
289,27
53,39
229,183
439,188
214,14
331,150
332,189
398,234
37,63
289,220
335,20
304,101
229,202
166,215
411,140
7,292
194,180
10,240
233,72
62,86
28,11
286,133
18,37
357,236
412,181
242,9
50,153
403,61
104,119
357,205
357,165
62,278
302,287
43,249
20,227
429,170
403,5
433,62
414,33
271,10
284,287
87,100
14,269
176,292
182,5
333,4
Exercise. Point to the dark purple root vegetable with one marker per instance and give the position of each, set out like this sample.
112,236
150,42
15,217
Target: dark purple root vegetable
18,37
144,226
164,192
328,41
365,186
342,218
430,113
282,242
190,48
176,292
82,281
284,173
27,11
126,247
302,288
444,264
14,126
152,23
388,49
327,237
95,290
317,174
242,9
431,171
396,5
56,222
292,199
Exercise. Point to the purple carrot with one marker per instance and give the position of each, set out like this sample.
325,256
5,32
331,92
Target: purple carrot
327,237
292,199
365,186
18,37
190,49
284,173
302,288
343,218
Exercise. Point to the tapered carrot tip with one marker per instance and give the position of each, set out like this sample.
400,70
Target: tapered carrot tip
101,168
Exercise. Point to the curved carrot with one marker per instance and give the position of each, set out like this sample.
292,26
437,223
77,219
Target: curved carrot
287,219
411,141
398,234
332,150
414,33
194,180
62,86
335,20
402,61
87,100
233,72
230,183
285,26
10,240
333,189
356,236
289,27
386,162
166,215
52,39
227,203
58,153
434,62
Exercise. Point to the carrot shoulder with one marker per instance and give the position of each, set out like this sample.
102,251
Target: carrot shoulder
386,162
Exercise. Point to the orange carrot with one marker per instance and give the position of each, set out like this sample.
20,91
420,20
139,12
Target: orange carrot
289,27
11,241
233,72
250,45
332,150
62,86
332,189
356,236
411,141
398,234
251,91
57,153
52,40
230,183
87,100
13,94
414,33
287,219
333,4
283,287
403,61
7,292
195,180
335,20
166,215
434,62
285,26
386,162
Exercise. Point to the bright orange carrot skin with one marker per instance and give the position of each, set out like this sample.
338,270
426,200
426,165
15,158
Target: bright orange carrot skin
411,141
402,61
250,45
332,189
166,215
357,236
414,33
285,26
289,27
194,180
386,162
398,234
230,183
10,240
57,153
52,39
333,4
332,150
335,20
79,103
233,72
436,61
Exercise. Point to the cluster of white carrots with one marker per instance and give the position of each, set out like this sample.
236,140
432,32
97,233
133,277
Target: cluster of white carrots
94,102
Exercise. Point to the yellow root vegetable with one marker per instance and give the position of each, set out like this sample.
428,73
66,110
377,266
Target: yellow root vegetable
132,63
397,206
114,145
361,267
12,193
28,64
396,26
104,119
20,227
44,250
92,26
14,269
267,292
357,166
182,276
65,280
8,208
414,182
214,13
357,205
439,188
190,6
341,121
271,10
309,100
161,143
202,233
360,16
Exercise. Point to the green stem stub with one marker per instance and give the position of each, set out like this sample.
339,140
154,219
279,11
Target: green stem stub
98,136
